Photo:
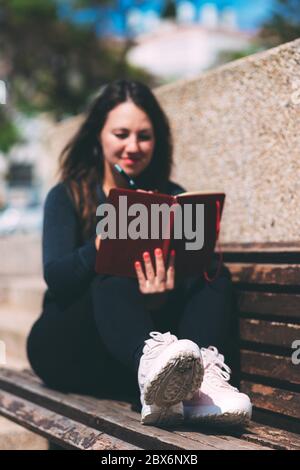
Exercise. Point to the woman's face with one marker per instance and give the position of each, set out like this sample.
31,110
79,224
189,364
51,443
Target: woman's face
127,138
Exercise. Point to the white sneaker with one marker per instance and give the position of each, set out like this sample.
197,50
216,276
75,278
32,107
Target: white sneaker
216,401
162,415
170,371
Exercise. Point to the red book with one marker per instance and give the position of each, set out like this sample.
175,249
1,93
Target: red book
191,228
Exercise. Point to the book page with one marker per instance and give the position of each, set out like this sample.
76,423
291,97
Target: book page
198,193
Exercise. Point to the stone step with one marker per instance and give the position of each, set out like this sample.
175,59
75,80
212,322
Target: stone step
21,293
15,325
17,363
21,255
25,292
14,437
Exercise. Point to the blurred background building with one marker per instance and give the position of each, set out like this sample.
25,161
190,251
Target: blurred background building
87,43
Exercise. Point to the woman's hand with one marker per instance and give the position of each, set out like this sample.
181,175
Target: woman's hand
97,242
159,280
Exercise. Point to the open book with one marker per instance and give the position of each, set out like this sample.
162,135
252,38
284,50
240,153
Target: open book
132,222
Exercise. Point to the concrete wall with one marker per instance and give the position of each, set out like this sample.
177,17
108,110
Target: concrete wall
236,129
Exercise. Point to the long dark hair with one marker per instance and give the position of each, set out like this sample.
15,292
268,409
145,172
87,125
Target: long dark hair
81,161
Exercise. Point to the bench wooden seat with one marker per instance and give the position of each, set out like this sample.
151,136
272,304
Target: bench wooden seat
82,422
268,310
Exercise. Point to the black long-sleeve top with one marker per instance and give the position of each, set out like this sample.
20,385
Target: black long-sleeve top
69,262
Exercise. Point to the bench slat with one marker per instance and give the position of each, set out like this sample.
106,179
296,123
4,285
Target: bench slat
273,274
269,333
269,365
59,429
265,303
277,438
273,399
114,417
266,247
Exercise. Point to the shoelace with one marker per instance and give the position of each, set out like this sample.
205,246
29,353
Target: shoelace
154,345
215,368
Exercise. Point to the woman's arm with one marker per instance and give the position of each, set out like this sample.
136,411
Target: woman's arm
68,267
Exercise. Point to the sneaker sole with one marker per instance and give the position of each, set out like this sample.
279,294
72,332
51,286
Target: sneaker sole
163,416
176,381
225,419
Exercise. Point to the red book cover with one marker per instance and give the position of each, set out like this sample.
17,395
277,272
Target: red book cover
143,221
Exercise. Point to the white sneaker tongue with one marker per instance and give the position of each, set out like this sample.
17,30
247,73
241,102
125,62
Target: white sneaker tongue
212,356
158,341
159,338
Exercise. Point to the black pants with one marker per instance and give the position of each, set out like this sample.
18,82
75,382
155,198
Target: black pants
94,346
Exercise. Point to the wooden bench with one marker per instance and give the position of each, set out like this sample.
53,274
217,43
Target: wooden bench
268,299
267,280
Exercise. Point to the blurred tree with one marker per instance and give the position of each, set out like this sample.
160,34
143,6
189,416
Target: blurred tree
91,3
283,25
53,64
169,10
9,134
122,7
226,56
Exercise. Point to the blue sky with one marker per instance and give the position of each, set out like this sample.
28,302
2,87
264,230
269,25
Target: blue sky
250,13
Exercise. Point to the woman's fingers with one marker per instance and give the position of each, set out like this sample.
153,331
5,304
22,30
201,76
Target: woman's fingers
157,280
140,275
97,242
150,274
171,271
160,268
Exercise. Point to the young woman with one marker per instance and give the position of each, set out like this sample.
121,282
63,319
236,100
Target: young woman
111,336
